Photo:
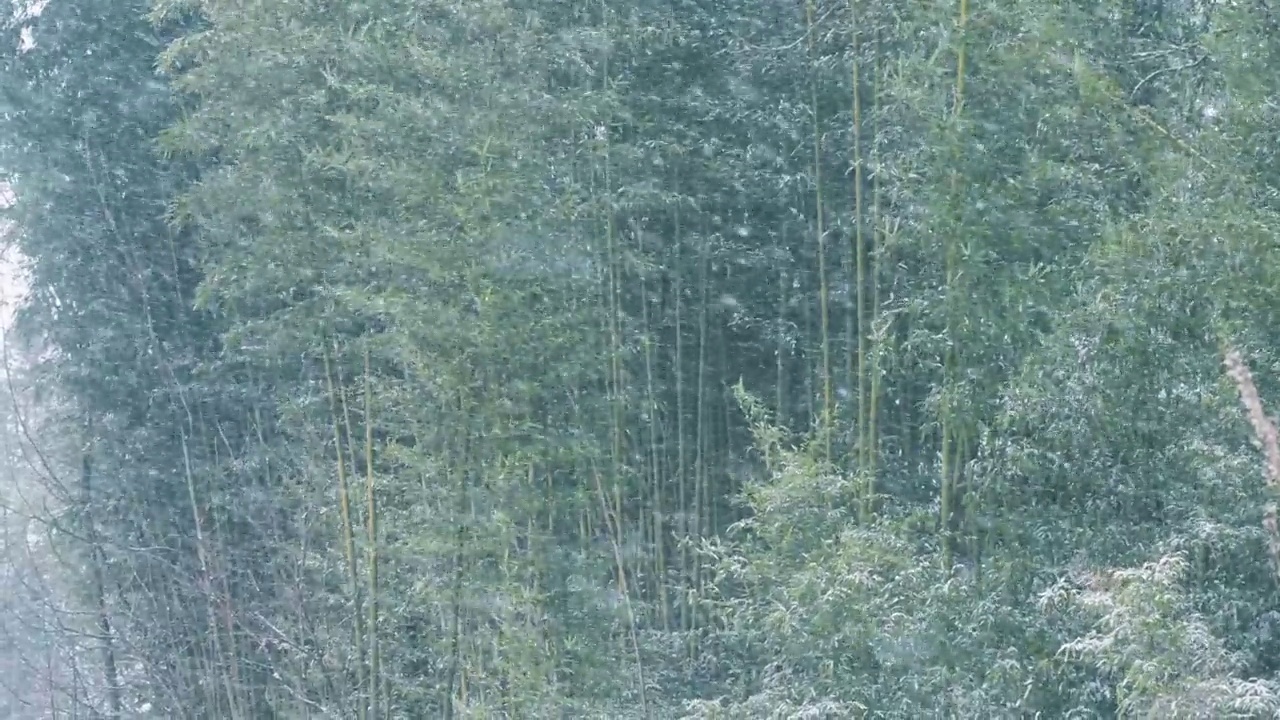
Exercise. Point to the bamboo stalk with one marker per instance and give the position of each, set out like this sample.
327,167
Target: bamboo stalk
864,447
614,531
371,509
879,240
950,463
348,536
111,675
700,448
820,233
657,507
455,687
206,582
781,347
686,572
615,363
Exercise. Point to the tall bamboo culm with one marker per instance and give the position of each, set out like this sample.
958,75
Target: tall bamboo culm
347,532
371,510
858,251
824,329
613,516
952,451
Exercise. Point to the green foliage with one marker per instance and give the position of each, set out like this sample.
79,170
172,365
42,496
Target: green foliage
519,359
1161,654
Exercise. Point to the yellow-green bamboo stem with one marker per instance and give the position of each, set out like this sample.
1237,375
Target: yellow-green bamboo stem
700,449
615,361
206,582
655,466
682,482
950,464
820,233
859,248
781,348
371,509
614,530
878,238
348,535
455,687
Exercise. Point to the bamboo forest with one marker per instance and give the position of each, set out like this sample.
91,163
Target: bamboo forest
643,360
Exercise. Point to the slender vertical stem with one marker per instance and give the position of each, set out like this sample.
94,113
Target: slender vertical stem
700,449
655,465
820,233
617,382
111,675
455,684
682,482
206,580
781,348
371,509
879,239
348,535
952,452
864,447
614,532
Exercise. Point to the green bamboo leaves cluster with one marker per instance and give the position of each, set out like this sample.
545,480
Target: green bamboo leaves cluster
520,359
